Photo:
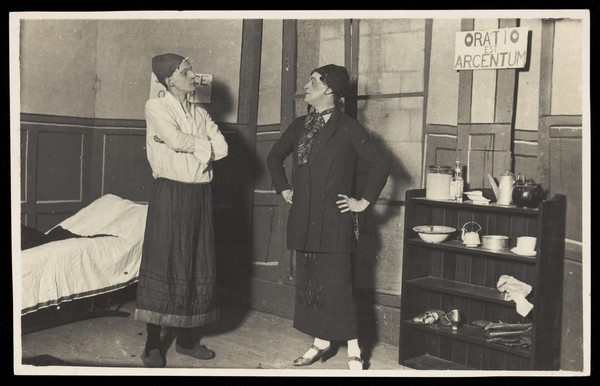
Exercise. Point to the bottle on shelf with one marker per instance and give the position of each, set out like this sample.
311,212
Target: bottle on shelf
458,183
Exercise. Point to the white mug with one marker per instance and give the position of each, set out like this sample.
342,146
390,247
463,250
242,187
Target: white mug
526,243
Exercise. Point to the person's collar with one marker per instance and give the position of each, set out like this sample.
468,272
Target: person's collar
174,101
325,109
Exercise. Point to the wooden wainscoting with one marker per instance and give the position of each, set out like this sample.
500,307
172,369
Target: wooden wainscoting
67,162
55,164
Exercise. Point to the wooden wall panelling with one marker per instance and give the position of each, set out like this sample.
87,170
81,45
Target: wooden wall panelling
23,164
559,171
525,149
560,143
25,175
351,33
247,116
426,73
573,336
465,83
269,248
288,72
288,113
269,244
96,176
59,165
56,160
505,96
546,65
506,83
484,148
272,262
126,172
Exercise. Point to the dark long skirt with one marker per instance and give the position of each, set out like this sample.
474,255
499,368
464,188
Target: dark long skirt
325,307
177,278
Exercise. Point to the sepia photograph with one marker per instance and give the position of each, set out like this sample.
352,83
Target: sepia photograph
301,193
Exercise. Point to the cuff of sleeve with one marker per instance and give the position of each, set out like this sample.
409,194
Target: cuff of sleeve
202,151
370,196
279,189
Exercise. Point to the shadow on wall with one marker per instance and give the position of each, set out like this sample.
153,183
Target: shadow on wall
231,209
222,102
369,260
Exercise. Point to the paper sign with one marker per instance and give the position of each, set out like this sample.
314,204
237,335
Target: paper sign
491,49
200,95
203,90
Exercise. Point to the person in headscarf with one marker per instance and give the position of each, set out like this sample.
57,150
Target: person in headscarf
325,145
177,278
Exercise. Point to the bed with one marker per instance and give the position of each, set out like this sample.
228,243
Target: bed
61,272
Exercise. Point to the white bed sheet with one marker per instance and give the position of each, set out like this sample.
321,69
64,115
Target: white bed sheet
81,267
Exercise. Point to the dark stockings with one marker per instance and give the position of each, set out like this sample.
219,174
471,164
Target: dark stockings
184,338
153,340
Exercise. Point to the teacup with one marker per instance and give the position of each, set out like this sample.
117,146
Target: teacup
526,243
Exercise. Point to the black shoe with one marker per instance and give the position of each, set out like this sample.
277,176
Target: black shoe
302,361
198,351
153,359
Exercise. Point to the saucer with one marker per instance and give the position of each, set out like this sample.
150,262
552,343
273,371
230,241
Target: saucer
517,251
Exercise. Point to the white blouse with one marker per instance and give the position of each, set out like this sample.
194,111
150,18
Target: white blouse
191,140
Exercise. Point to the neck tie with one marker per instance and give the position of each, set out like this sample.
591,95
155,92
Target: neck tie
313,123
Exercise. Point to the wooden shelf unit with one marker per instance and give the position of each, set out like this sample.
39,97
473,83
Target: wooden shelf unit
449,276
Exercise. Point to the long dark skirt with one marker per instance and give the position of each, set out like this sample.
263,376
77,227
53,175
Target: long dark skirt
177,278
325,307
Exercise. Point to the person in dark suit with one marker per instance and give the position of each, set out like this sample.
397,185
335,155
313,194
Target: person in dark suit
325,146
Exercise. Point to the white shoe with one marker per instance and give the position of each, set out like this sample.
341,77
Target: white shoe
355,363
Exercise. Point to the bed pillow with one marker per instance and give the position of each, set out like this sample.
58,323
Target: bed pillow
109,214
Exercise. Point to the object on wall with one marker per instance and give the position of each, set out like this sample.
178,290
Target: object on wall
491,49
200,95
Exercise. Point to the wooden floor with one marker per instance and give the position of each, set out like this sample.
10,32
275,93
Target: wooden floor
245,343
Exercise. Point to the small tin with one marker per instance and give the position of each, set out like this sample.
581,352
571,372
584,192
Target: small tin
494,242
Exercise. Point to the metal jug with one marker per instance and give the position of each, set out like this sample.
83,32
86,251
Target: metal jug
471,237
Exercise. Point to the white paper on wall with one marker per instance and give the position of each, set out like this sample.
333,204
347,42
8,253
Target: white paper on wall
203,90
201,94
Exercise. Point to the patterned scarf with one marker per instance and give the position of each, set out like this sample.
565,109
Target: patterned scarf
313,123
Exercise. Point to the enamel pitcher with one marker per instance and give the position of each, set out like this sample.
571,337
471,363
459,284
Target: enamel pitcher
503,190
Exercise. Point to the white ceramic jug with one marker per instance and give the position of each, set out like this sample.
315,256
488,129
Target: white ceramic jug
503,190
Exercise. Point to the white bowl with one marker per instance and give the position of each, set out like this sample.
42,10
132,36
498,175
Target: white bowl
434,233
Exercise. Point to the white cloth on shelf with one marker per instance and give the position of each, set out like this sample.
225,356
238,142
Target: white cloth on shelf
516,291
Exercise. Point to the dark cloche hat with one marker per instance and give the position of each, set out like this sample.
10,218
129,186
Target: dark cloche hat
336,77
165,65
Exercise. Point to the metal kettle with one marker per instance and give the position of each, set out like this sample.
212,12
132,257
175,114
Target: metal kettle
526,193
503,190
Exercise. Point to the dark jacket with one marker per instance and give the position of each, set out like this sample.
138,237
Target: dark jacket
315,223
